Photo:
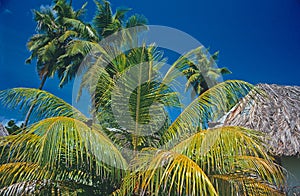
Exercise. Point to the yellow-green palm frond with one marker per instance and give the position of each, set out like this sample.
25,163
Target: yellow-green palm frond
208,107
166,173
46,104
231,184
233,151
66,35
22,178
63,142
12,173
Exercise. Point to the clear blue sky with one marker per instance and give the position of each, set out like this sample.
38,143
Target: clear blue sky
258,40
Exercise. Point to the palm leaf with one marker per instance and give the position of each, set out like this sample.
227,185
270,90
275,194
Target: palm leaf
83,29
46,104
233,150
166,173
208,107
28,178
63,142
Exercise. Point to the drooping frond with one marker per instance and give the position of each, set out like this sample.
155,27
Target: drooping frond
233,151
21,178
166,173
46,104
227,141
63,142
208,107
11,173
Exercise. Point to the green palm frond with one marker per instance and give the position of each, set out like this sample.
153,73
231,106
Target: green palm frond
179,65
46,104
63,142
136,20
103,16
82,47
120,13
208,107
46,20
84,30
37,41
81,11
166,173
67,35
63,9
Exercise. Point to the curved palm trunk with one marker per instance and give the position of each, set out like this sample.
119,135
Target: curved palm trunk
33,104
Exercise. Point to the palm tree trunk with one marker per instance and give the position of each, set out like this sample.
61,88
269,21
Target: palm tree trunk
34,101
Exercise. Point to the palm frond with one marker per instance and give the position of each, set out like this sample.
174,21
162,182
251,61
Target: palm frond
231,184
63,142
233,150
208,107
103,16
137,20
83,29
46,104
158,172
21,178
120,13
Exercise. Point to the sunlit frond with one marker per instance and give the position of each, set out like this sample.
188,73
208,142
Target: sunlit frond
21,178
231,184
233,151
46,104
166,173
208,107
68,143
11,173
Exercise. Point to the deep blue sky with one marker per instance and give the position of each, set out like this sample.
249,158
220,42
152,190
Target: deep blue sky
258,40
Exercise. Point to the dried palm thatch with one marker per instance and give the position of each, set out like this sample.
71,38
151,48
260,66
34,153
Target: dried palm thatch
276,113
3,131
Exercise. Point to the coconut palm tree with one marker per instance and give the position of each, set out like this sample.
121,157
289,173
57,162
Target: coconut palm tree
201,71
63,39
55,31
105,23
64,153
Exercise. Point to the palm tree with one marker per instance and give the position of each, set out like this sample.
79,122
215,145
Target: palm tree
65,153
105,23
201,71
55,31
63,39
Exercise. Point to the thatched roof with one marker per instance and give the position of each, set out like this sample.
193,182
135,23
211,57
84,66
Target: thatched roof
3,131
277,114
